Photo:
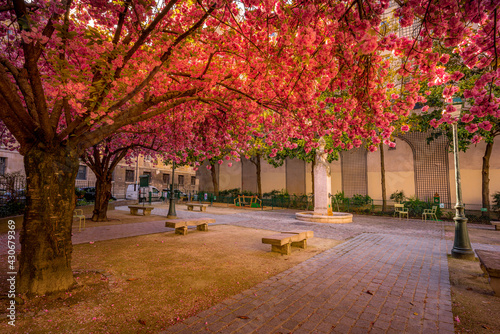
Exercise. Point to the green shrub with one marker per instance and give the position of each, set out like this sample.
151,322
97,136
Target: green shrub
496,200
79,192
398,196
271,193
360,200
229,192
82,202
12,208
415,206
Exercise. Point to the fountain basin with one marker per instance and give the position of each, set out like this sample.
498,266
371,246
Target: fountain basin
336,218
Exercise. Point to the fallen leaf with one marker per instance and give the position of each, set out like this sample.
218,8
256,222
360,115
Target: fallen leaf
457,319
142,322
369,292
469,289
242,317
485,327
415,313
132,279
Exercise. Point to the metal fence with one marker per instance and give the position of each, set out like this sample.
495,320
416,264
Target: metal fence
301,202
12,194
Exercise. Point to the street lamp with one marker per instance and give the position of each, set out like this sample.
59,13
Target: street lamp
462,248
171,208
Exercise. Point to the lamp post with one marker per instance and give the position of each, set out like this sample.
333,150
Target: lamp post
171,207
462,248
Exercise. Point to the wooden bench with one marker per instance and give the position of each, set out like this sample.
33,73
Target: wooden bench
496,224
181,225
190,206
490,264
282,242
145,209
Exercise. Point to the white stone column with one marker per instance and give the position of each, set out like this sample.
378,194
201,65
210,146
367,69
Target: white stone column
322,187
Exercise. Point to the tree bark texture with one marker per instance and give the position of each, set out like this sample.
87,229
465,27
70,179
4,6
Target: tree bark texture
102,196
382,179
215,182
258,171
45,259
485,174
312,179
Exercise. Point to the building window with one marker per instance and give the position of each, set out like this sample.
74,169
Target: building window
129,176
166,178
193,180
3,165
181,180
82,173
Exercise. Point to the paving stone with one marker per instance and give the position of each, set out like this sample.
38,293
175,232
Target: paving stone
398,263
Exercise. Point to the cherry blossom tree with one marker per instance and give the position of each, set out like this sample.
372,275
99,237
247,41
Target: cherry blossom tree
75,72
103,158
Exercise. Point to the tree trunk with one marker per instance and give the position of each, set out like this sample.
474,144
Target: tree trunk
45,259
215,182
259,178
312,179
485,173
102,197
382,179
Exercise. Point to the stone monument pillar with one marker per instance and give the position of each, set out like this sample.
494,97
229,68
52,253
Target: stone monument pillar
322,181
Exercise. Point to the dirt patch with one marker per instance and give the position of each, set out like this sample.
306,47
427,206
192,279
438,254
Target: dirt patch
475,307
118,217
147,283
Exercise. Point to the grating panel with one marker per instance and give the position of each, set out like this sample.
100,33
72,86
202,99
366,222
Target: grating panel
354,172
431,166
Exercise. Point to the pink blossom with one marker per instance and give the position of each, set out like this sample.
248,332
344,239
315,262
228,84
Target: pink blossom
471,127
444,58
467,118
405,128
486,125
457,75
476,139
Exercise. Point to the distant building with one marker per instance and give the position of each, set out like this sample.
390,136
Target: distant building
413,166
124,174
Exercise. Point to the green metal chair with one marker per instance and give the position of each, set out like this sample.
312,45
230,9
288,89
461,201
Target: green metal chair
431,213
400,210
78,213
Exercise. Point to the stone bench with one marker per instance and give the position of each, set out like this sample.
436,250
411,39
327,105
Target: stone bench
282,242
496,224
146,209
490,264
181,225
190,206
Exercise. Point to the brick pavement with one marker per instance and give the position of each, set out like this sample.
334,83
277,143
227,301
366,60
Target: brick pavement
373,283
390,276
